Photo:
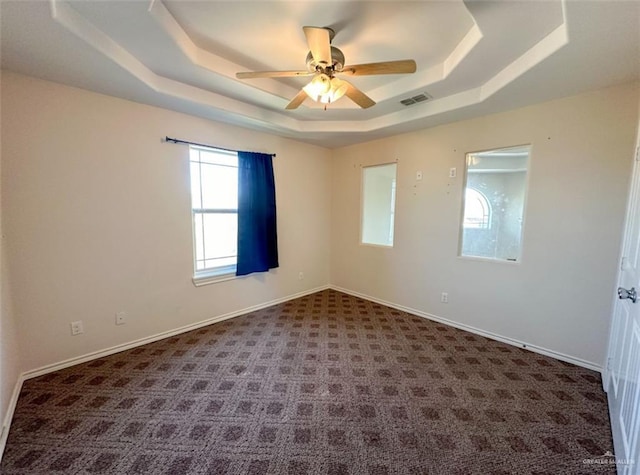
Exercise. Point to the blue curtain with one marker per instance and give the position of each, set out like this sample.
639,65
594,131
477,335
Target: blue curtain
257,234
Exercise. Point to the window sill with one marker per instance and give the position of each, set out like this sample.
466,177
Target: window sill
489,259
370,244
214,276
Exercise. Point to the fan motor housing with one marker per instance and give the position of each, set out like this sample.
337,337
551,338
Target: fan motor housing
337,61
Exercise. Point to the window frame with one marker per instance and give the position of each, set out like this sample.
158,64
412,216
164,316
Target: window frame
519,258
217,273
393,204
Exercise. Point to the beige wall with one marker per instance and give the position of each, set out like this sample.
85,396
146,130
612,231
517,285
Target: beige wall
96,214
10,367
558,298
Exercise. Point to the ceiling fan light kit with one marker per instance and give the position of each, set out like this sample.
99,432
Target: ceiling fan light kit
324,61
324,89
338,89
319,85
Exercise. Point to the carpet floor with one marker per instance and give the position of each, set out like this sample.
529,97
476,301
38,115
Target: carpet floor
324,384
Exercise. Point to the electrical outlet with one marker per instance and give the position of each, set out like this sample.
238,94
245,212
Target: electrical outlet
77,328
121,318
444,297
300,275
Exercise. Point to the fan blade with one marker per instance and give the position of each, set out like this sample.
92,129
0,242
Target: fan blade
272,74
297,101
359,97
319,41
405,66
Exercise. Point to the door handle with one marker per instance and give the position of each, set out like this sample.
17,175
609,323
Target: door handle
630,294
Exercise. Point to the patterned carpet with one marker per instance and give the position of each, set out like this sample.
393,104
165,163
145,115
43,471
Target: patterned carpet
325,384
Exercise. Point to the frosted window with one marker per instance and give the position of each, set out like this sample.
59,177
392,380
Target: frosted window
494,198
378,204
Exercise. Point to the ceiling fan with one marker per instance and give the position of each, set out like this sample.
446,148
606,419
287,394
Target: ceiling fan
325,63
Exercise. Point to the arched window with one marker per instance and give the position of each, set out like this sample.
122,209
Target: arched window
477,211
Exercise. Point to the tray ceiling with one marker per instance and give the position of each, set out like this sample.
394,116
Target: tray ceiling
472,58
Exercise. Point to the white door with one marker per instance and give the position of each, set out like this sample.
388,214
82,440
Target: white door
622,371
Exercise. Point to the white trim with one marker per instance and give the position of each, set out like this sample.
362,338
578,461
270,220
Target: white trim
159,336
496,170
127,346
488,259
194,326
477,331
213,278
240,113
6,423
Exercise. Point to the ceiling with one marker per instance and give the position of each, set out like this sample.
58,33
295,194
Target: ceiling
473,57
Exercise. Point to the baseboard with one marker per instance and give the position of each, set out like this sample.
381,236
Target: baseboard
160,336
6,423
493,336
194,326
127,346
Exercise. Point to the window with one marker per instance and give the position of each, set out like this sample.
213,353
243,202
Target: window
214,203
493,208
378,204
477,210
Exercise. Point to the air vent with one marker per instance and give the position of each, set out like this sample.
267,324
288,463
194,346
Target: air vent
415,99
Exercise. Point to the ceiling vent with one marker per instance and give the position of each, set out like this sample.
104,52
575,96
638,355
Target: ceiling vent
416,99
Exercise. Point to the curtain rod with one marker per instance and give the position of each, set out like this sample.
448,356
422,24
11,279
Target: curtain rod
169,139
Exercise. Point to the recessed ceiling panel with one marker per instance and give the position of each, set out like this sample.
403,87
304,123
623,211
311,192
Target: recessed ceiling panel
268,35
473,57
